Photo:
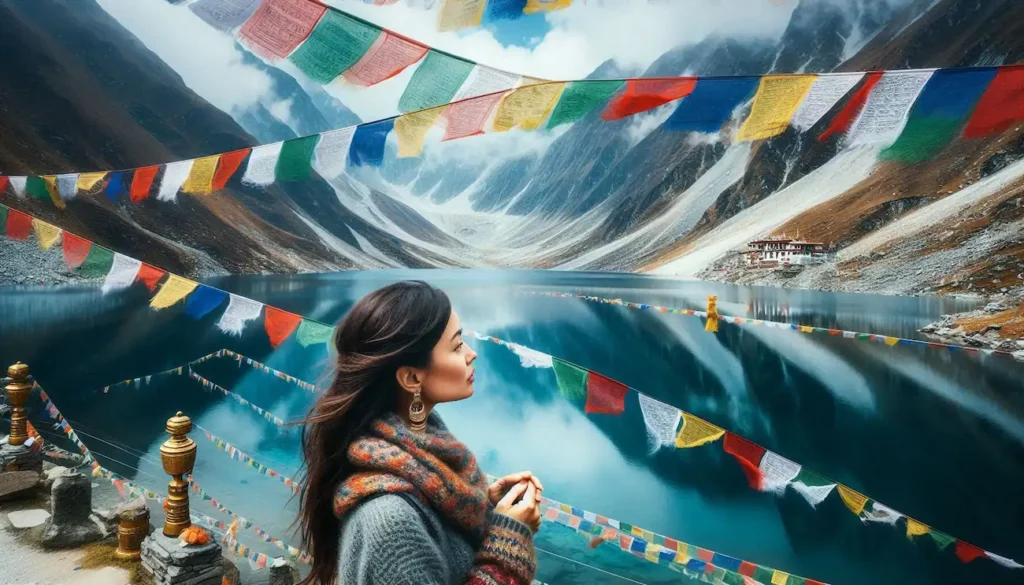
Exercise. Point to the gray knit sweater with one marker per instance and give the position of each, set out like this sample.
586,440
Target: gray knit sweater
394,539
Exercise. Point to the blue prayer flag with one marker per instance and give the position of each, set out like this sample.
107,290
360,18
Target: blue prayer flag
115,187
711,103
203,300
367,146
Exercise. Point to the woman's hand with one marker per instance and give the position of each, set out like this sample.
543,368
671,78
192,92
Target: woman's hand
526,510
497,489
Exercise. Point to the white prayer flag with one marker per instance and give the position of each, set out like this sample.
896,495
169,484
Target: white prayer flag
239,311
262,164
531,358
880,513
661,421
483,80
122,273
814,494
331,153
888,105
826,91
67,186
18,184
175,174
778,472
1008,563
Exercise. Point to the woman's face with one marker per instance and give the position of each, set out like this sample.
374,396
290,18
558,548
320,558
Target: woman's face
450,374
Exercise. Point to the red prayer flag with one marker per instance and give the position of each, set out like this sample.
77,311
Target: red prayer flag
3,184
625,541
279,325
149,275
604,395
1000,106
467,117
641,95
19,225
749,455
226,167
141,183
278,27
671,544
748,569
75,249
844,119
388,56
704,554
967,552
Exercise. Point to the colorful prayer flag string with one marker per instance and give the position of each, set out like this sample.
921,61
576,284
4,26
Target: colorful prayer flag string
208,385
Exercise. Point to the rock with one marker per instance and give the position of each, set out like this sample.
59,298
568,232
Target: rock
171,564
53,473
109,518
283,573
27,518
995,307
71,522
17,484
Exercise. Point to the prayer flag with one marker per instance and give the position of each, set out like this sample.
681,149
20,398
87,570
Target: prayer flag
368,143
412,130
749,569
467,117
813,487
531,358
1001,106
967,552
504,9
337,43
200,176
3,184
296,159
224,15
279,325
86,181
278,26
75,249
434,82
18,184
825,93
844,119
388,56
711,104
579,98
853,499
331,152
142,181
779,578
122,273
51,189
150,276
661,421
240,310
726,562
527,107
35,187
945,104
172,291
115,188
878,513
777,472
262,164
203,300
572,380
534,6
749,456
915,528
696,432
175,174
1008,563
312,333
46,234
775,103
604,395
641,95
97,263
885,112
458,14
229,163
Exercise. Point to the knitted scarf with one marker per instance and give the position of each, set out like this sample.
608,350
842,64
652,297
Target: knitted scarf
433,466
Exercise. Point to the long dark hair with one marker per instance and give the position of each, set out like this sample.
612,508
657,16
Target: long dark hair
395,326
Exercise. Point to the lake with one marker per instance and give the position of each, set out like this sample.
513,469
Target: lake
935,434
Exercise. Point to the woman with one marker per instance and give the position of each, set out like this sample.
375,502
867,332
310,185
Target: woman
390,496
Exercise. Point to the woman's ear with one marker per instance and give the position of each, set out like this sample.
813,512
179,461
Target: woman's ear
409,379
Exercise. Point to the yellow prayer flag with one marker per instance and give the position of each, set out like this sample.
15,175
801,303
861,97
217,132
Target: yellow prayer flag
853,499
806,329
696,432
533,6
777,98
87,181
46,234
457,14
915,528
51,187
636,531
779,578
200,178
681,557
412,130
651,553
527,107
175,289
891,341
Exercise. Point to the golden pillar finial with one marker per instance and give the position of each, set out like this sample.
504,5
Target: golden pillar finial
178,455
17,392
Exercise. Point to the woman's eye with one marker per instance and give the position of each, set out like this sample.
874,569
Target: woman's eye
459,346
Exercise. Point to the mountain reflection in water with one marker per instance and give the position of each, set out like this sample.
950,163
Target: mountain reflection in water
935,434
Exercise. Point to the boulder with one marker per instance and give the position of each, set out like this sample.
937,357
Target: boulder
17,484
283,573
71,522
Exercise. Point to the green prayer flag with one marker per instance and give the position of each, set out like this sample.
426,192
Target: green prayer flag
763,574
659,540
36,187
435,82
626,528
572,381
97,264
311,333
337,43
579,98
691,551
922,139
3,219
811,479
296,159
942,540
794,580
718,574
735,579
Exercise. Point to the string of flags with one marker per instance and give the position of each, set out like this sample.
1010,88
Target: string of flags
910,114
148,378
208,385
93,261
765,471
268,370
242,456
860,336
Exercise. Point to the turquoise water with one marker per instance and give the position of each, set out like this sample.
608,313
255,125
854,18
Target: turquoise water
934,434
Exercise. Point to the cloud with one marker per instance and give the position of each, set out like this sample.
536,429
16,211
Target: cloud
204,57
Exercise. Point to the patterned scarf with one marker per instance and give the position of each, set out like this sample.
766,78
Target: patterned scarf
434,467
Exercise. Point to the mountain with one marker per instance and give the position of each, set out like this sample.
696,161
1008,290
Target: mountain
628,195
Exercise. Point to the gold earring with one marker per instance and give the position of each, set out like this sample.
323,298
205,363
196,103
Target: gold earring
417,414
